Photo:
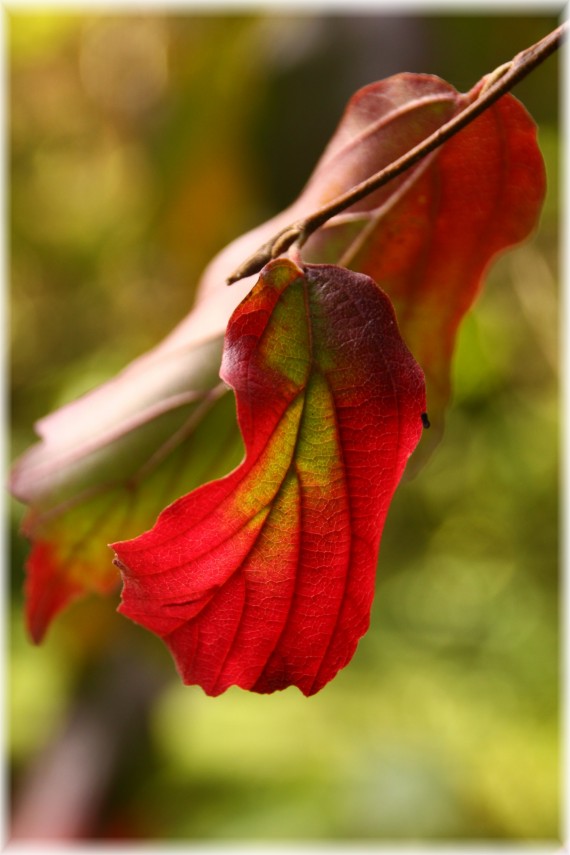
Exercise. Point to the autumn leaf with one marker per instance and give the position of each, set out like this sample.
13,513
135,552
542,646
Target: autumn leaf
430,245
265,578
109,462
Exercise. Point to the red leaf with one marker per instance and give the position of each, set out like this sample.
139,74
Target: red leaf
109,462
265,578
48,589
429,242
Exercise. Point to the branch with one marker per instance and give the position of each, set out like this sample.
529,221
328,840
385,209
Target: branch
493,86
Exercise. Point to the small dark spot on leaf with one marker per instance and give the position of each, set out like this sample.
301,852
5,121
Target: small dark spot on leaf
425,421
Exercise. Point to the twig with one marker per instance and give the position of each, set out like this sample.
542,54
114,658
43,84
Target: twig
493,86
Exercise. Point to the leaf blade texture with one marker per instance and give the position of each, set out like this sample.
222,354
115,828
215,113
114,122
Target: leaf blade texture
265,578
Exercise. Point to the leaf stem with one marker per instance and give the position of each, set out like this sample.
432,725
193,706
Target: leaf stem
490,88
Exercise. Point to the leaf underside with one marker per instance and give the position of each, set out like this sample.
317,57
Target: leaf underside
265,578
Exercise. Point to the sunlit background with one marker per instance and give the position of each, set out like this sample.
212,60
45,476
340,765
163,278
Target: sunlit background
140,144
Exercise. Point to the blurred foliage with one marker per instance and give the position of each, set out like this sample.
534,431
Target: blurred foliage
139,146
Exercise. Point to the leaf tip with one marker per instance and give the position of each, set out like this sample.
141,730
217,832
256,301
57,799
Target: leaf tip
47,590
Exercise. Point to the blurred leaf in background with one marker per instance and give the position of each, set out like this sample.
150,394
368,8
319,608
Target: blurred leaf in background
140,144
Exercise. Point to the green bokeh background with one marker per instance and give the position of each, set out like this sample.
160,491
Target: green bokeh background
139,145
